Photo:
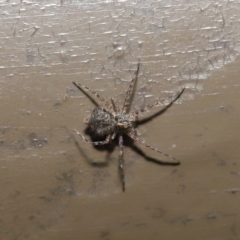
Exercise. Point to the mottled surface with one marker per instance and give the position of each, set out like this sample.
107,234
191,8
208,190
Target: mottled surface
55,186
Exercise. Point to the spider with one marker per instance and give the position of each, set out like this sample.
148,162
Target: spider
111,122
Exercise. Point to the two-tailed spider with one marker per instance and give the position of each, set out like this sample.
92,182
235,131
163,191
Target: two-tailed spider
112,122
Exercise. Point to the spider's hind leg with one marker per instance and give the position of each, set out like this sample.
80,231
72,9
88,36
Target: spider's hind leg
121,166
140,140
106,141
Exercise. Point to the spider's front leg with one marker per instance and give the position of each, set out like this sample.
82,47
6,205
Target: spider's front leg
115,106
109,137
121,166
85,88
156,104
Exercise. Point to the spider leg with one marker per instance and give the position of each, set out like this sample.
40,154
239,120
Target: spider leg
140,140
134,125
158,103
130,91
113,135
85,88
115,106
121,167
146,108
133,118
94,143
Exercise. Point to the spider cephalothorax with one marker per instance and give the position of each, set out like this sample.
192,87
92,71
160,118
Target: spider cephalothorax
123,122
112,122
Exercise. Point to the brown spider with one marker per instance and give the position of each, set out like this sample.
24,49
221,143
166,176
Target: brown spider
112,121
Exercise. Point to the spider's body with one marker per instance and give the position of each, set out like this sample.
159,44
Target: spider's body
114,122
103,123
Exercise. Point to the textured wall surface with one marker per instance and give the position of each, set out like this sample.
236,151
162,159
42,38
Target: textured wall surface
54,185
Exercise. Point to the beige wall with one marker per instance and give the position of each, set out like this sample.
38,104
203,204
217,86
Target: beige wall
50,189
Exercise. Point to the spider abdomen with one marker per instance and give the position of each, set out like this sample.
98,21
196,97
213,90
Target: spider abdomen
101,122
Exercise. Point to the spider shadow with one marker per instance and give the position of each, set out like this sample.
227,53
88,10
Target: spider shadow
109,148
